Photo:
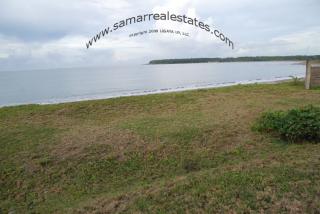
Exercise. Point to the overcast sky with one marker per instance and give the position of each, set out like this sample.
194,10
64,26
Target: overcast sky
53,33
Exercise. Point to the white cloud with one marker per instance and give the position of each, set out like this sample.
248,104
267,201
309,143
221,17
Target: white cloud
43,33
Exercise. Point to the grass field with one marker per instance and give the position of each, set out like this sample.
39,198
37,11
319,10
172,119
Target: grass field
190,151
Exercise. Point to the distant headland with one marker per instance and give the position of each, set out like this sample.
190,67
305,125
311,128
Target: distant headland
235,59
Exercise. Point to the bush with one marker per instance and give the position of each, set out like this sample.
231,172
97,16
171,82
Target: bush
295,80
293,125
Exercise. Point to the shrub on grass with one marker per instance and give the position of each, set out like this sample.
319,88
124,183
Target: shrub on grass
295,80
293,125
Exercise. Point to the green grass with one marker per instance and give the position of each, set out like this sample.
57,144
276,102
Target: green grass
190,151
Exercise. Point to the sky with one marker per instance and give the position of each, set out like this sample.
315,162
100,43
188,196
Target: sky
52,34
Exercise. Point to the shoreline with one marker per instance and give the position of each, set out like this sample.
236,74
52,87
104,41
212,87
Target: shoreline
275,80
186,144
234,59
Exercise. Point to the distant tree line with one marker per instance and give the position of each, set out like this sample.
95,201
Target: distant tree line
235,59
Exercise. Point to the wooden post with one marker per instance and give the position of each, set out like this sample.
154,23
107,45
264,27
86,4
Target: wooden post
307,79
312,74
